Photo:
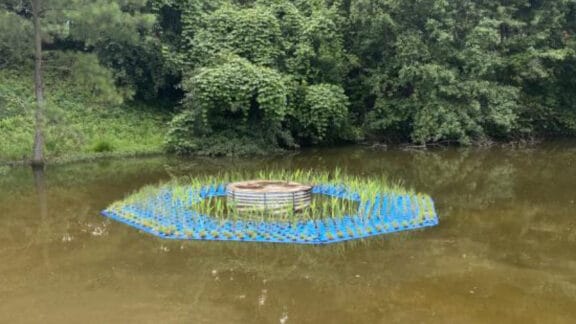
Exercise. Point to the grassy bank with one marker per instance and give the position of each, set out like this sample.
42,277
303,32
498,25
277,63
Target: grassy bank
79,125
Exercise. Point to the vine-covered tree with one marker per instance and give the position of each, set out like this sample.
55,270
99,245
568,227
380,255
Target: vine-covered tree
269,72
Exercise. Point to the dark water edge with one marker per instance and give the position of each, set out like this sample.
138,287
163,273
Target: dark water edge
375,144
504,251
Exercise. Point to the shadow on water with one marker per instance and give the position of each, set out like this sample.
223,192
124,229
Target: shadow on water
42,202
504,251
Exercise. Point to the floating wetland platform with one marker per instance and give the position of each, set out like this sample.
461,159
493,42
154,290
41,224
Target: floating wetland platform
280,211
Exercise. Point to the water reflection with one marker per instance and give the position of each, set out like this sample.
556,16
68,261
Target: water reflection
504,251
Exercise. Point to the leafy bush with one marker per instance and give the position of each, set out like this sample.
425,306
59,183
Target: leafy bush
252,33
237,90
102,145
238,100
323,112
182,139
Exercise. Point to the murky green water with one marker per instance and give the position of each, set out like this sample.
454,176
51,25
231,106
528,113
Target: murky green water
505,250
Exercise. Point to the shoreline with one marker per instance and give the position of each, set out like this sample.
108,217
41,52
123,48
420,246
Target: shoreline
81,158
375,145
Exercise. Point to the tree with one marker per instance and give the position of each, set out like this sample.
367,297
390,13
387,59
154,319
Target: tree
285,73
460,70
269,70
68,35
38,150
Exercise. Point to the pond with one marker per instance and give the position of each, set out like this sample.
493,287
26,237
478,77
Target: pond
505,249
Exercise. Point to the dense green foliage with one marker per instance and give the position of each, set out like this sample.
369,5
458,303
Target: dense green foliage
464,70
77,124
259,75
268,74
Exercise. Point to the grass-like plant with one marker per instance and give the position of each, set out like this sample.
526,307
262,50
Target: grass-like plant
186,192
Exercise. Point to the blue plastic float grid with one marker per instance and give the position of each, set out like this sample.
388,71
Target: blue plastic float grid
173,219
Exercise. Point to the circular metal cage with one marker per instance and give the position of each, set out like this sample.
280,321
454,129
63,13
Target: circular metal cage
268,196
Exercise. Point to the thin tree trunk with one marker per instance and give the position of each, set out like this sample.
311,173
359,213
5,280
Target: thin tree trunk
38,149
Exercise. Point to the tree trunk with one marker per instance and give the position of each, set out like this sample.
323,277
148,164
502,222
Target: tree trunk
38,149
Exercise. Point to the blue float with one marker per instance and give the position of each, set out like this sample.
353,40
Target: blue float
169,218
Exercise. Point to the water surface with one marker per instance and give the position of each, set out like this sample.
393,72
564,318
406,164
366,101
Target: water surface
505,250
